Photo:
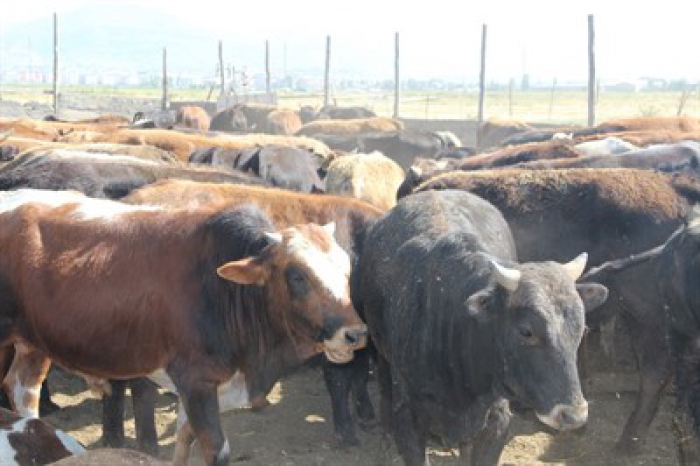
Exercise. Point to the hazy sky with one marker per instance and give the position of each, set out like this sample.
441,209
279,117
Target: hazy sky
546,39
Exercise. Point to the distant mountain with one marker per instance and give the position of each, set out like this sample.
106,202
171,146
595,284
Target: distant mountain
112,36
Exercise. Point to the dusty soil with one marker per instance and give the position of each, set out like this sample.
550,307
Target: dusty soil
297,430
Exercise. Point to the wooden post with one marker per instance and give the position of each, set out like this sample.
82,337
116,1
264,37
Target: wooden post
482,75
326,76
222,79
591,71
397,80
510,97
268,87
551,98
55,65
165,104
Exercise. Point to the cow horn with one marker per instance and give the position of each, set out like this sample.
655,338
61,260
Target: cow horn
275,238
575,267
507,278
330,228
415,170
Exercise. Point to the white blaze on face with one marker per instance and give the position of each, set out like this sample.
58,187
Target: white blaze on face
331,268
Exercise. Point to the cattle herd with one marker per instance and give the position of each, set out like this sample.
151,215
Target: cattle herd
211,256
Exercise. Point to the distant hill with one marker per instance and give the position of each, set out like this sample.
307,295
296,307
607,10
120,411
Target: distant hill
110,36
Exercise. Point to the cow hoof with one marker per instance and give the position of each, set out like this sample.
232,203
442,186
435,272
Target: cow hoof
149,448
628,447
347,441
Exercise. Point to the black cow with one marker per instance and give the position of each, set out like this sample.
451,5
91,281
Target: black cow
610,213
231,120
404,146
105,177
334,112
462,328
282,166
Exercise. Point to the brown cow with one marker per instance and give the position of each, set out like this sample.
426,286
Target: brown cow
26,442
493,131
191,116
283,121
350,127
204,295
503,157
352,217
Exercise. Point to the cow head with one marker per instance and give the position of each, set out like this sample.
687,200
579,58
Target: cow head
306,276
538,316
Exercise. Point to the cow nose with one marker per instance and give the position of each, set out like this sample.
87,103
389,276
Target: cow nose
355,336
572,417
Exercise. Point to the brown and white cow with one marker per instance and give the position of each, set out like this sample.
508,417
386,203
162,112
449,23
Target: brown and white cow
352,217
26,442
117,291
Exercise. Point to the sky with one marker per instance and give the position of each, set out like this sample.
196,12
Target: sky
545,39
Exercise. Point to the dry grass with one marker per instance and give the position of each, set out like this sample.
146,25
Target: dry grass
568,107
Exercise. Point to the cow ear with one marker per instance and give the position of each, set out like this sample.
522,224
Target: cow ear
478,304
593,295
248,271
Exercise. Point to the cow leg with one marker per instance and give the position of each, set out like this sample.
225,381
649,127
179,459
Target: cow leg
654,365
411,439
113,415
359,380
202,407
490,441
686,419
385,410
23,380
183,444
338,379
143,396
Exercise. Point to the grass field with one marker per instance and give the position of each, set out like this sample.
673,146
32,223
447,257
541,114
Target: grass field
535,106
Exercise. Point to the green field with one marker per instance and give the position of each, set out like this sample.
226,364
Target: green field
534,106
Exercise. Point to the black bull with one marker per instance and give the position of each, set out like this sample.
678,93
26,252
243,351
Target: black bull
461,328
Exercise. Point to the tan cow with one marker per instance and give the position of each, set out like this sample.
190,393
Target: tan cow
283,121
191,116
350,127
374,178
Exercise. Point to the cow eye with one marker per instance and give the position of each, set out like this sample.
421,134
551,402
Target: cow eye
296,279
527,335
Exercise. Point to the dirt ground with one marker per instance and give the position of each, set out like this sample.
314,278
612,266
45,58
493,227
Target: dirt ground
297,430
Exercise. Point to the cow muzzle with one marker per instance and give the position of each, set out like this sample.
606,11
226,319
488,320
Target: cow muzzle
340,348
566,417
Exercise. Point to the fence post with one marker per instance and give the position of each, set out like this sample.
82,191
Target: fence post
165,104
55,64
551,98
482,75
510,97
222,80
268,87
326,79
397,81
591,71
